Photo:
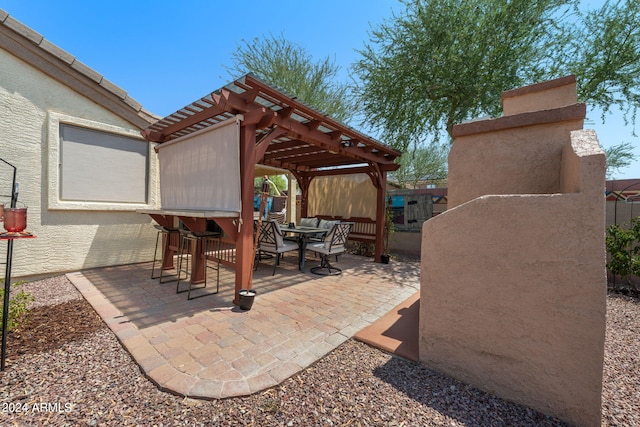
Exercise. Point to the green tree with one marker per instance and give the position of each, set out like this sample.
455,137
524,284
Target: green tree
290,68
423,163
440,62
618,157
278,180
605,55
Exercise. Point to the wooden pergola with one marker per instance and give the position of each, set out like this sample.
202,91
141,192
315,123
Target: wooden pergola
277,130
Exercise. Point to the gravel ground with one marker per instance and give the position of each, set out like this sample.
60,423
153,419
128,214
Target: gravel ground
65,367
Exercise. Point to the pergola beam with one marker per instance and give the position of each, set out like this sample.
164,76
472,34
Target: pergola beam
285,165
287,145
261,146
294,152
319,160
338,128
324,140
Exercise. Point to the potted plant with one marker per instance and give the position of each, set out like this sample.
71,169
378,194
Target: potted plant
388,230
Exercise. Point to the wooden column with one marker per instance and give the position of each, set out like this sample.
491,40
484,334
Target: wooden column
291,198
198,264
381,185
304,181
244,242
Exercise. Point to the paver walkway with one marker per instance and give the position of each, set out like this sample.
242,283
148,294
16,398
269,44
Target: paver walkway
208,348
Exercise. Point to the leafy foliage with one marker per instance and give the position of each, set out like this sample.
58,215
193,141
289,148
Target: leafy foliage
422,164
623,246
278,181
18,304
389,226
441,62
444,61
292,69
618,157
365,249
605,55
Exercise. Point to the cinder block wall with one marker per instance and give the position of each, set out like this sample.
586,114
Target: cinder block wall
513,281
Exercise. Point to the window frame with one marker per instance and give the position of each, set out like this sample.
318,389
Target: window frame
55,120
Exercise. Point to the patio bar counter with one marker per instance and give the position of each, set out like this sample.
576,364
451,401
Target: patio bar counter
196,221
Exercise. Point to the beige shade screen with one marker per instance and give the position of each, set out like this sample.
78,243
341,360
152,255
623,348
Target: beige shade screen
102,167
342,195
201,171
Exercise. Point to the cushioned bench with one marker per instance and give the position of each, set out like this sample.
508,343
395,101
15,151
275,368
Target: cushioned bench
364,229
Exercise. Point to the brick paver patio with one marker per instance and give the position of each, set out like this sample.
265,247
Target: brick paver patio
209,348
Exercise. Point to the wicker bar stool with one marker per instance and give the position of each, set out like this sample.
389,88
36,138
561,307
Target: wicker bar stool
172,236
210,244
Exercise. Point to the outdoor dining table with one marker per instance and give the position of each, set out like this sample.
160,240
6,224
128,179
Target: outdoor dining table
303,236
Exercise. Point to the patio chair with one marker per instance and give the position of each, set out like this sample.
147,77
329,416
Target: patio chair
319,237
172,238
334,244
210,244
271,241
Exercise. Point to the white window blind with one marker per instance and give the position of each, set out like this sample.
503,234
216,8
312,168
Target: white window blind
102,167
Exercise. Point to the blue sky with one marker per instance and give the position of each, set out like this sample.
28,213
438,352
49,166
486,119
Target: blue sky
166,54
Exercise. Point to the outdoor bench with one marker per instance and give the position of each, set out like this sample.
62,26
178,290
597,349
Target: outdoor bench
364,229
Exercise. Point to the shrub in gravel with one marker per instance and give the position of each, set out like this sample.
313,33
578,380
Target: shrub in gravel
18,305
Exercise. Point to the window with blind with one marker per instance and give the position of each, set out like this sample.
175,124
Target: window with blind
96,166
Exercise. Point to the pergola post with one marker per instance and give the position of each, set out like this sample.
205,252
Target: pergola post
291,198
244,242
381,187
304,181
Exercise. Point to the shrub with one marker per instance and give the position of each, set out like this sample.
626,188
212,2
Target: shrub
623,247
363,249
18,303
389,226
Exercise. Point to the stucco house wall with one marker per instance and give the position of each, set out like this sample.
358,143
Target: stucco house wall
41,87
513,280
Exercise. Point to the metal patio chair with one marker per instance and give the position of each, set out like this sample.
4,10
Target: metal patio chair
271,241
334,244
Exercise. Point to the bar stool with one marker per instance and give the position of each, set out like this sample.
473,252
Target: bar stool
210,243
172,237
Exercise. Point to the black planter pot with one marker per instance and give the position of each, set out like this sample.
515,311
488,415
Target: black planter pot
384,258
245,299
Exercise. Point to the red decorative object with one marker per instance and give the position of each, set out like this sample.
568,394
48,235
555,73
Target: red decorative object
15,219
